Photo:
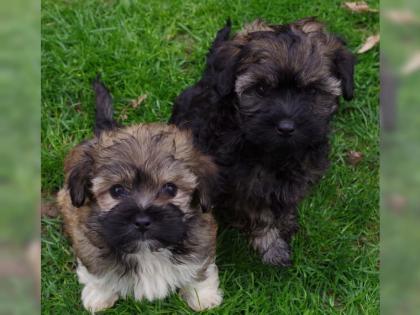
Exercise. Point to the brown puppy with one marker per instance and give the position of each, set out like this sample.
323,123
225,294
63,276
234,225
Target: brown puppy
134,205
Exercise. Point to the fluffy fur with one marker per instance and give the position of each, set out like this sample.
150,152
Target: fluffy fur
135,206
262,109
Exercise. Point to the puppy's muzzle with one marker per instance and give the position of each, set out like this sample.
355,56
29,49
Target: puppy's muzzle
286,127
142,222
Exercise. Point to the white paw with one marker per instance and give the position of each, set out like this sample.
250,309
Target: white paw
94,299
203,299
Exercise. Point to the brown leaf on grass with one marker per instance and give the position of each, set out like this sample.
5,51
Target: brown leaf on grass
412,65
137,102
358,7
123,116
49,209
370,42
354,157
77,107
401,17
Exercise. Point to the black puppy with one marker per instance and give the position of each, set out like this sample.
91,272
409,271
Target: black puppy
262,109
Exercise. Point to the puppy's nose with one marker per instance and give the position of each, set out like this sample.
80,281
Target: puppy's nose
286,127
142,222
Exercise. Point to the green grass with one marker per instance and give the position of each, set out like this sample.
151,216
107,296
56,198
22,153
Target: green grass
157,48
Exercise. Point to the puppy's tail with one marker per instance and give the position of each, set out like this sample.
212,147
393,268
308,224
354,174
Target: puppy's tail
104,111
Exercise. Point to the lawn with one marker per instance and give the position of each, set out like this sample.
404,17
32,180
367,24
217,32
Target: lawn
157,48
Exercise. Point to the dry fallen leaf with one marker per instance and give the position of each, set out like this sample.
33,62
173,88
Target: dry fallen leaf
354,157
370,42
401,17
412,65
49,209
359,6
77,107
137,102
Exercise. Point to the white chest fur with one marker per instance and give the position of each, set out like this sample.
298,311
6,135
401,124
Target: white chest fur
156,276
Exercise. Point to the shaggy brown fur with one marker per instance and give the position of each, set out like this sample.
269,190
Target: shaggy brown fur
164,154
134,204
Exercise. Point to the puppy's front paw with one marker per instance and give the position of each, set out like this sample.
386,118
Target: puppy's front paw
278,254
94,299
204,294
202,299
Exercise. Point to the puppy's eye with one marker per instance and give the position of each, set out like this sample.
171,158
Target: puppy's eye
118,191
169,189
261,89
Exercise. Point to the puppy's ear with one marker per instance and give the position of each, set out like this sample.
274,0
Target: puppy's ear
221,36
344,62
104,111
207,174
221,63
78,169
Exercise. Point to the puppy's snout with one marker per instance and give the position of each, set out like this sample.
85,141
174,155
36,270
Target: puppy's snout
142,222
286,127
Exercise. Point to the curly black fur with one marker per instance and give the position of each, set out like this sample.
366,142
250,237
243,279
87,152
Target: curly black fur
252,84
